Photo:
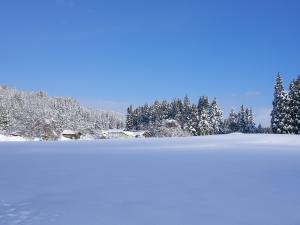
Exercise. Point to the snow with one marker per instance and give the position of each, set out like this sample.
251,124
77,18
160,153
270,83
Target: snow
11,138
214,180
119,133
68,132
62,138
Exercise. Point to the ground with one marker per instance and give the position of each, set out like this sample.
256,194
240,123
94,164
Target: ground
217,180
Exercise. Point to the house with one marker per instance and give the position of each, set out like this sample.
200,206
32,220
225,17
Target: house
15,134
139,134
71,134
114,133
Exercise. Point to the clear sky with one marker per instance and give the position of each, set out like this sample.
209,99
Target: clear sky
112,53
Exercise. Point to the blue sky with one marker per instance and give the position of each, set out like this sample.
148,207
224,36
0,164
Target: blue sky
112,53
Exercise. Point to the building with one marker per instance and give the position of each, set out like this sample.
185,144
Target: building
71,134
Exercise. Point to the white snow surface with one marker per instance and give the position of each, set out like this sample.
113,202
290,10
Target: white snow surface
11,138
68,132
215,180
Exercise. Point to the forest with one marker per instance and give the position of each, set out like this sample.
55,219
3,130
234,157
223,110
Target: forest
182,118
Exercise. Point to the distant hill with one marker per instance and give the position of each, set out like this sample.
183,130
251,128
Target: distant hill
38,115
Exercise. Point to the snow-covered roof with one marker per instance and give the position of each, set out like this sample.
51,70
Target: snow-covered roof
68,132
119,131
15,133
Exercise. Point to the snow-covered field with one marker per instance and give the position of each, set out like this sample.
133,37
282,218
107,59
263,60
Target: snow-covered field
230,180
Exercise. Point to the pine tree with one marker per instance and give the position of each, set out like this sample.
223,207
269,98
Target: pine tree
277,122
232,121
136,118
202,104
295,105
242,120
259,129
215,118
145,117
204,121
139,118
173,109
250,124
155,113
165,108
129,118
194,121
186,113
286,123
179,112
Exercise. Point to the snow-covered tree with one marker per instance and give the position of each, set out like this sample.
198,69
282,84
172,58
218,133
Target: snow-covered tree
232,122
164,110
251,128
204,125
201,119
186,113
295,105
129,118
203,103
38,115
286,123
277,122
155,112
145,117
168,128
215,118
176,110
286,109
194,121
242,120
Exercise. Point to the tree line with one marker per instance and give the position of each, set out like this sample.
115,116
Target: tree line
286,107
204,118
38,115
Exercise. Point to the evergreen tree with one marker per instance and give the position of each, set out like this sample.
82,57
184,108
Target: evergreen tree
203,104
277,114
139,118
155,113
165,108
186,113
232,121
179,112
173,109
204,121
295,105
135,119
250,124
145,117
129,118
242,120
286,123
194,121
215,118
259,129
